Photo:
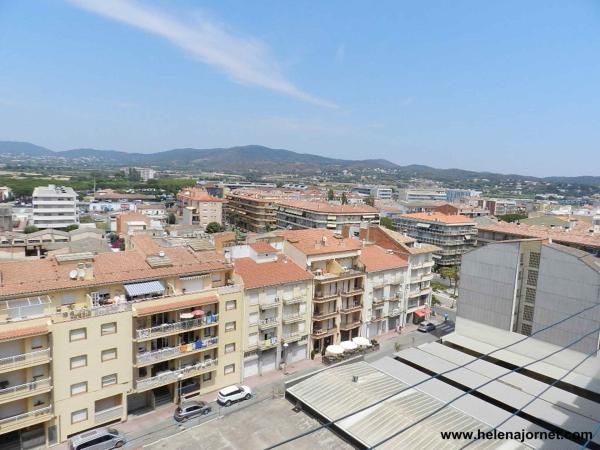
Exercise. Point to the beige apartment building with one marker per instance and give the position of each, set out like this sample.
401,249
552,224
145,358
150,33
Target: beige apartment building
197,207
339,281
85,339
302,214
277,309
253,210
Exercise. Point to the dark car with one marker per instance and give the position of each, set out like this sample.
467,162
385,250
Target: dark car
188,410
426,327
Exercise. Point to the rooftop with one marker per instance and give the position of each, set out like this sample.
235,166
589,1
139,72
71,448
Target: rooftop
376,259
263,247
319,241
437,217
197,194
52,190
324,207
270,273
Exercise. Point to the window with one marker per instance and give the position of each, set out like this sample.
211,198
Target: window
207,376
36,342
78,334
79,416
108,328
79,388
230,326
68,299
78,361
109,380
230,368
216,277
231,304
253,318
230,347
109,354
253,298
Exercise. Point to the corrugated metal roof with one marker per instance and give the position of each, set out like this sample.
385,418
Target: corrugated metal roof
333,394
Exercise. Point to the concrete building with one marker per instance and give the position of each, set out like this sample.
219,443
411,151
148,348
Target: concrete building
339,282
86,339
453,234
6,220
146,173
130,223
524,285
422,195
377,192
54,207
197,207
253,210
456,195
6,193
299,215
499,207
277,308
462,210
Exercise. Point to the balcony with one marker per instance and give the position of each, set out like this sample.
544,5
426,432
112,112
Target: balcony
324,315
108,414
329,277
86,313
379,301
265,324
349,325
25,390
166,329
377,318
291,337
395,312
323,298
350,308
427,277
294,300
352,292
25,360
267,344
320,332
293,318
143,359
270,304
26,419
172,375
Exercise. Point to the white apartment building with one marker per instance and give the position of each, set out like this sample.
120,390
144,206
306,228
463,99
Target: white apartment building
54,207
277,309
416,195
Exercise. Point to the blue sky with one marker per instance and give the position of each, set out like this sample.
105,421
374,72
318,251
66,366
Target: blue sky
509,87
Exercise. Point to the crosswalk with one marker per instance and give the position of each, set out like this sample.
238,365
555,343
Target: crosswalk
445,327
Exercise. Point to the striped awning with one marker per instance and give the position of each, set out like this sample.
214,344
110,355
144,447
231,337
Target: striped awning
193,277
145,288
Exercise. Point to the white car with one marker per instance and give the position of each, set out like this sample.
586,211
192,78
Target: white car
232,394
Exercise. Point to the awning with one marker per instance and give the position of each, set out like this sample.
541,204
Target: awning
422,312
193,277
146,288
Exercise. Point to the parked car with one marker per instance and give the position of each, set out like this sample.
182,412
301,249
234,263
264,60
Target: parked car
232,394
99,439
426,327
190,409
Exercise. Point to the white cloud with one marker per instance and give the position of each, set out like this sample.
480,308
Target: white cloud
245,60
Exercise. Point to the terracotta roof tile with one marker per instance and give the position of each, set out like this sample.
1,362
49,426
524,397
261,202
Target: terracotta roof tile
263,247
269,273
319,241
376,259
23,332
439,217
171,304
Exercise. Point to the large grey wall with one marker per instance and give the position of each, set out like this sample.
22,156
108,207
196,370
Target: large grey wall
487,284
566,285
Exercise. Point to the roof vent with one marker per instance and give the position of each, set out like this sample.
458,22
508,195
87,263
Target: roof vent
355,378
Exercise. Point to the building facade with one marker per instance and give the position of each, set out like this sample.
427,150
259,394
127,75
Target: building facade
54,207
453,234
197,207
86,339
252,210
422,195
299,215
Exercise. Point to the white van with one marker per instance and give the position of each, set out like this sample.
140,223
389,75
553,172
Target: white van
99,439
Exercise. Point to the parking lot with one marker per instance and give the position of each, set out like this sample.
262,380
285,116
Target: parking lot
255,426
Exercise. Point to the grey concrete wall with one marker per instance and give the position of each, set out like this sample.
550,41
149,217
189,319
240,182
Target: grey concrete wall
487,284
567,285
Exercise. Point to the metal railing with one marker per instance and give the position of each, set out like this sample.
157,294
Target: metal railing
108,414
291,336
27,387
183,325
94,311
292,317
267,343
173,375
25,357
293,300
270,304
171,352
268,322
35,413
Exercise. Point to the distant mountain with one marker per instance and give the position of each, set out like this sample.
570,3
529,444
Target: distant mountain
261,159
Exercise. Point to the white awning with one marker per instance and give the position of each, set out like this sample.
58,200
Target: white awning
193,277
146,288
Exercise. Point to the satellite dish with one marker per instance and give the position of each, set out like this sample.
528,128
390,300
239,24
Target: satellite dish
73,274
81,273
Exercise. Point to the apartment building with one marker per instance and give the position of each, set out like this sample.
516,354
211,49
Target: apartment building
54,207
277,308
6,218
417,288
297,215
377,192
453,234
499,207
386,290
339,281
422,195
145,173
85,339
197,207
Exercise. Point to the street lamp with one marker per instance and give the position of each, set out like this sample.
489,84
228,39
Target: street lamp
285,350
179,378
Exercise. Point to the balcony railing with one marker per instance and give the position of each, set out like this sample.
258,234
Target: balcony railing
322,331
173,375
14,420
229,289
21,389
351,292
294,300
270,322
349,325
95,311
322,315
274,303
291,337
294,317
267,343
184,325
108,414
173,352
24,359
350,308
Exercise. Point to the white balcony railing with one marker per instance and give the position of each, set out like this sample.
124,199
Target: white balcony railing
24,358
292,317
172,352
108,414
27,387
269,322
184,325
273,303
173,375
28,415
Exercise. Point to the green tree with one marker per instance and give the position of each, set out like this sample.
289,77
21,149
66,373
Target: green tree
71,227
214,227
387,222
330,194
171,219
30,229
370,200
86,219
344,199
512,217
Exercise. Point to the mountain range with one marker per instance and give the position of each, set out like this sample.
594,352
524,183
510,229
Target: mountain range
260,159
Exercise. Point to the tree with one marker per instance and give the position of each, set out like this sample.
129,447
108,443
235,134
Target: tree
330,194
512,217
71,227
30,229
171,219
370,200
214,227
344,199
387,222
86,219
452,274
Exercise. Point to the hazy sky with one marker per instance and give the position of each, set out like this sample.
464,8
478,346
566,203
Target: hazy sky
508,86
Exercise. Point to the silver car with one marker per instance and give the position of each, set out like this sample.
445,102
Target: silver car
99,439
187,410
